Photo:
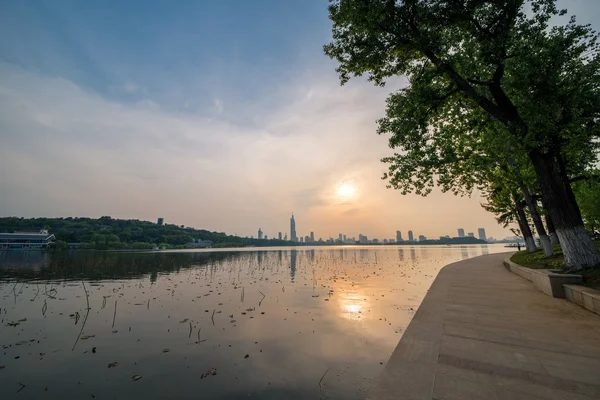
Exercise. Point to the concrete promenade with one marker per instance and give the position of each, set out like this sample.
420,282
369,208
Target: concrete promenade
483,332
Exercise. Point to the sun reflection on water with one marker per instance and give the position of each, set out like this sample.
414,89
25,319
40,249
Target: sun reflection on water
352,304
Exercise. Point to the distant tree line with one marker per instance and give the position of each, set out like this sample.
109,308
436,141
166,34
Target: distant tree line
107,233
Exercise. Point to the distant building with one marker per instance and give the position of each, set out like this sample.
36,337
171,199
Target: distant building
260,233
411,238
265,237
399,237
461,232
279,235
26,240
312,237
345,238
471,234
307,239
385,241
422,238
481,233
340,237
160,221
375,241
363,239
285,237
293,236
301,240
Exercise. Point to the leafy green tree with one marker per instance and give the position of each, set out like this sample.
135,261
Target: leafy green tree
465,58
588,195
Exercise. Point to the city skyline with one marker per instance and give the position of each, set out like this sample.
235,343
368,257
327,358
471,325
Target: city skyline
346,238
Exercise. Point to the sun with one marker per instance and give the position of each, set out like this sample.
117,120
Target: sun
346,191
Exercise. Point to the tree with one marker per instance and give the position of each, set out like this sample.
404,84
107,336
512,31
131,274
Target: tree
540,83
588,195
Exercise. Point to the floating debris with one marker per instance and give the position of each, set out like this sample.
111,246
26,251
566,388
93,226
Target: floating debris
113,364
136,377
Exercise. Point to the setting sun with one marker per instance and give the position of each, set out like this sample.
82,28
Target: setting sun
346,191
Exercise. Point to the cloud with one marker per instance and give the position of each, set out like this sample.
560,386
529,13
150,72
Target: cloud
72,151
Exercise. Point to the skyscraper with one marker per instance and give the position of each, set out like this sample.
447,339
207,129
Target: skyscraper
461,232
260,233
312,236
481,233
340,237
410,236
293,236
399,237
279,235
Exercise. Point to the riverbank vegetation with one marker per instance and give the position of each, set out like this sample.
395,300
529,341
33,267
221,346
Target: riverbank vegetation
107,233
537,260
498,98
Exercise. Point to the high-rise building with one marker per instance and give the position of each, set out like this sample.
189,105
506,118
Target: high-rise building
279,235
301,240
471,234
344,238
293,236
285,237
399,237
312,236
481,233
362,238
422,238
260,233
160,221
306,239
340,237
461,232
410,236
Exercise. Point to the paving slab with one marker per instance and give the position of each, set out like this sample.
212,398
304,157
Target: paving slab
483,332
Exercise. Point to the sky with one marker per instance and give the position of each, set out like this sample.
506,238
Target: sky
215,114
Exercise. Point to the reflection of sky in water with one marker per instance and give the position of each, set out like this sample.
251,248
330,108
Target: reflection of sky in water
294,312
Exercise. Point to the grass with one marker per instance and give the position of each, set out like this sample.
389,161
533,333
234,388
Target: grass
536,260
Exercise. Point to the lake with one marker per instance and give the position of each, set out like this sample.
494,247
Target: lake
264,323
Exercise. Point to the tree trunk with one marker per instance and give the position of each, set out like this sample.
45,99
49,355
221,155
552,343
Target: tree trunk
537,221
551,230
524,226
578,248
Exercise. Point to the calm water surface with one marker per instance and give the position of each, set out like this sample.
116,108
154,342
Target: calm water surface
269,322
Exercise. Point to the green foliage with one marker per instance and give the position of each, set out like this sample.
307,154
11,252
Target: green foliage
486,80
106,233
60,245
588,197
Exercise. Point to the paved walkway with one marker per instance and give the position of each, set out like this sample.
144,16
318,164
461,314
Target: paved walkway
483,332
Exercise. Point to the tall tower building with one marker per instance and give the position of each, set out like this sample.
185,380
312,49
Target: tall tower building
461,232
410,236
293,236
260,233
312,236
399,237
279,235
481,233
